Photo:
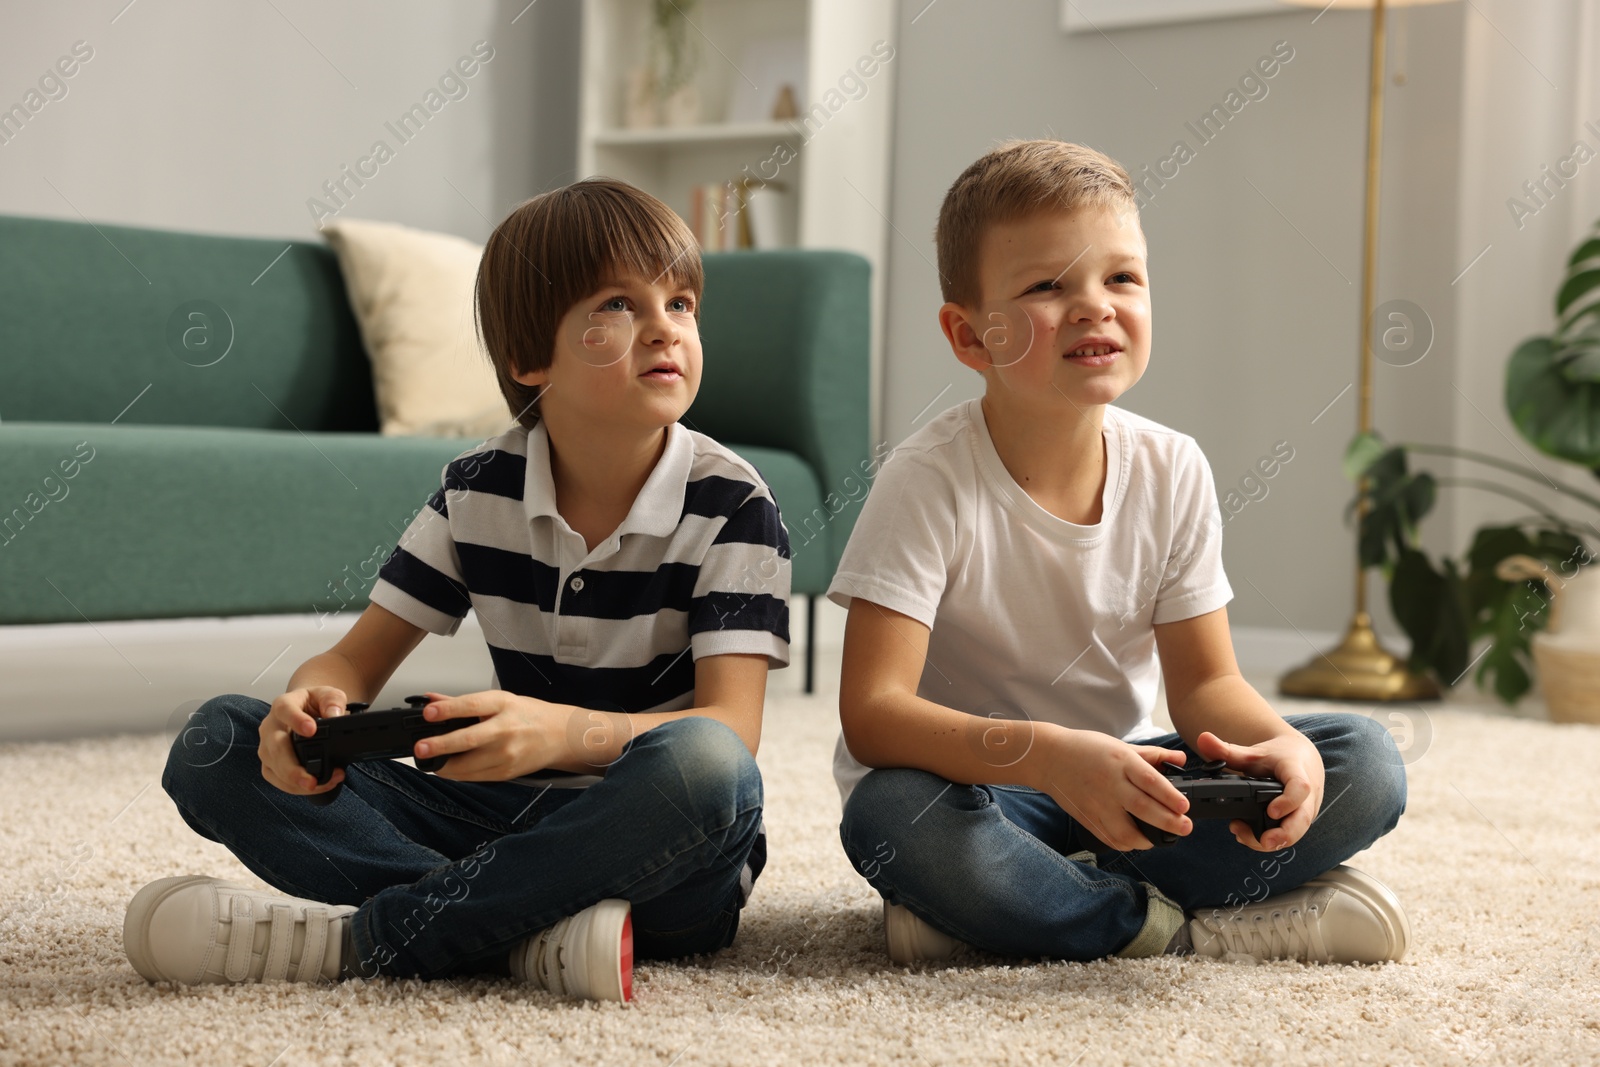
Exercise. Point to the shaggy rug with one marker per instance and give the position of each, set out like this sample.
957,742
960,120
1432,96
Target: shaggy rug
1495,861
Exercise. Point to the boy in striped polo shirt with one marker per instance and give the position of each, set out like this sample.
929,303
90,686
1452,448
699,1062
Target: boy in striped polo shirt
632,580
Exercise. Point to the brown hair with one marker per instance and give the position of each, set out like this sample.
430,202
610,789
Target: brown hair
558,248
1010,182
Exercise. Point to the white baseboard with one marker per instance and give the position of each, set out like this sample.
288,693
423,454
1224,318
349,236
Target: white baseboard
77,679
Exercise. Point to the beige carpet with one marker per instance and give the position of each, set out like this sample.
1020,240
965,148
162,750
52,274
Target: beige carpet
1496,860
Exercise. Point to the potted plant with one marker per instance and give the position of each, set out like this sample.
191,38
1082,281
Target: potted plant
1501,587
663,90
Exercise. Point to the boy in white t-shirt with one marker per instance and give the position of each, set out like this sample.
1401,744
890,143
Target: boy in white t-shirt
1020,565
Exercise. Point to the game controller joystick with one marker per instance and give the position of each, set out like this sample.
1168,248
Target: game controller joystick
370,735
1215,792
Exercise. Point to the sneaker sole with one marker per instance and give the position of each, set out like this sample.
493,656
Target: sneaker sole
136,924
1379,899
611,978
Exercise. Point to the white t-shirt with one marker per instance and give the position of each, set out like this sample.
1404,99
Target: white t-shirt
1031,615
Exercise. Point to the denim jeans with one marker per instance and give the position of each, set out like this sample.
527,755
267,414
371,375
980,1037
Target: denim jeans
989,864
449,876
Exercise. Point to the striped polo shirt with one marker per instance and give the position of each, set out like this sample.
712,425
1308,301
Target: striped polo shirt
699,567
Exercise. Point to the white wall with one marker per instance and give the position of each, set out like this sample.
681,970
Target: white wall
1529,88
1255,312
227,118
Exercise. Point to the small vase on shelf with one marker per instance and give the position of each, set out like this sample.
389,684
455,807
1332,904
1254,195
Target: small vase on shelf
682,108
640,106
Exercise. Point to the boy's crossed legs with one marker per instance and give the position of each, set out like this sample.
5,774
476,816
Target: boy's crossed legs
1003,868
448,877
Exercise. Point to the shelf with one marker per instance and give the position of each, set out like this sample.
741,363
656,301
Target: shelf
831,182
706,133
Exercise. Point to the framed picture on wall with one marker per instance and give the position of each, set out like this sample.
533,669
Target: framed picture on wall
1091,16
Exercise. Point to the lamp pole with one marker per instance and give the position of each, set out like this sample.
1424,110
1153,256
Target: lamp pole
1360,668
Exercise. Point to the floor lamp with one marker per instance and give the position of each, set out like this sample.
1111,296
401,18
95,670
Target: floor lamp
1360,668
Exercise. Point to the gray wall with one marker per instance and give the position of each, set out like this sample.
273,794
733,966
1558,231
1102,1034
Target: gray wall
1255,290
226,118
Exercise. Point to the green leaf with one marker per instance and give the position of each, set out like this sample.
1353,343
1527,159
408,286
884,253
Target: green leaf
1580,361
1413,597
1574,288
1363,449
1374,539
1428,606
1559,417
1494,543
1452,639
1388,467
1587,250
1518,613
1511,680
1417,496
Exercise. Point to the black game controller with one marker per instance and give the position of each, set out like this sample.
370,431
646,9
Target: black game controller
1215,792
370,735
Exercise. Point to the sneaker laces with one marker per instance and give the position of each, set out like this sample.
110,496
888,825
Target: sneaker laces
1270,935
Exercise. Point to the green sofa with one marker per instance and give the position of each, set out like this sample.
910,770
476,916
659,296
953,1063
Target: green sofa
187,423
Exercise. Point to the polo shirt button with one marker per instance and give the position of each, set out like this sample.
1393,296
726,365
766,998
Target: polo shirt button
576,585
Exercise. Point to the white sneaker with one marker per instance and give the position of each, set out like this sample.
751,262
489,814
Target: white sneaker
588,955
1343,916
192,929
912,940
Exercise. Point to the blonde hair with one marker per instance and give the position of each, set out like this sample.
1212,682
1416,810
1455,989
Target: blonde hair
558,248
1013,181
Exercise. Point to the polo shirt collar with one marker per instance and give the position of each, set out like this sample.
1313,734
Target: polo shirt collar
657,508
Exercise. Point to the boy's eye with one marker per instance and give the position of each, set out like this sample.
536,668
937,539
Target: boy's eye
681,304
1124,274
616,303
1043,287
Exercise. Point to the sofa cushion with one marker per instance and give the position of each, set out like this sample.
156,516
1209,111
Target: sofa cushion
164,328
412,293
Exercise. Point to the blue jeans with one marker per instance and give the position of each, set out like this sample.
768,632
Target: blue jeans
449,876
989,865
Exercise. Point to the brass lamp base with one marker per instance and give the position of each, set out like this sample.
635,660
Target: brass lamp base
1359,669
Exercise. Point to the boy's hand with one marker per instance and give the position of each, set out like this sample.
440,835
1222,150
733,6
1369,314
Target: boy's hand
296,712
1290,758
517,735
1099,780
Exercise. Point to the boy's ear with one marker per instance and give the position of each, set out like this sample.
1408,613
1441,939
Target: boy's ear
966,340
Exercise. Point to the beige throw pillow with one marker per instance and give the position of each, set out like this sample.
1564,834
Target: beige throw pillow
411,291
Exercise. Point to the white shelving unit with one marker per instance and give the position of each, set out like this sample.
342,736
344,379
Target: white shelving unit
834,157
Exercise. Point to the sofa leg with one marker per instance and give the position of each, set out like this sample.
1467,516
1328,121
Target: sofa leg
811,644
